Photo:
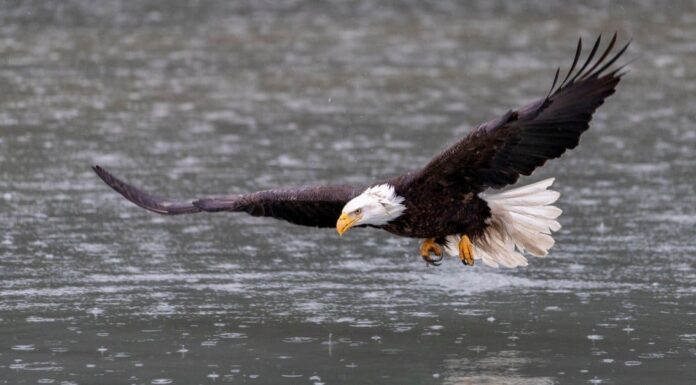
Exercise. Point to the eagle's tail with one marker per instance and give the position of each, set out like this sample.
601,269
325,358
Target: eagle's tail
522,220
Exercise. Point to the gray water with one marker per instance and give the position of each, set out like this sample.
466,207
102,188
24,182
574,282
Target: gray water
198,98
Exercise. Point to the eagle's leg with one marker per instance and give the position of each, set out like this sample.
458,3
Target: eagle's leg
466,250
429,245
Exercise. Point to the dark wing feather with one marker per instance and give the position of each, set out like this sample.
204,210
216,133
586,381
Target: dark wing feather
145,200
496,153
318,206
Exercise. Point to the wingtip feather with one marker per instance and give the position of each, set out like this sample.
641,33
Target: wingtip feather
143,199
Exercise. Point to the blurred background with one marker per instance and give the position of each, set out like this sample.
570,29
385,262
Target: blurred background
192,98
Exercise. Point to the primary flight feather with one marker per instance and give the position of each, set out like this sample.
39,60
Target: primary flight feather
448,203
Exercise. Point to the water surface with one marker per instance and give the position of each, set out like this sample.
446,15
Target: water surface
191,99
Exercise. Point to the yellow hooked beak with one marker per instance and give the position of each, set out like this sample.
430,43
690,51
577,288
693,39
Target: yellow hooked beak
345,222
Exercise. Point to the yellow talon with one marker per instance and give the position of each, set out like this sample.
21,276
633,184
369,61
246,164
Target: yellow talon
429,246
466,251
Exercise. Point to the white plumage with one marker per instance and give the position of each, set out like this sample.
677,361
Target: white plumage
522,220
378,205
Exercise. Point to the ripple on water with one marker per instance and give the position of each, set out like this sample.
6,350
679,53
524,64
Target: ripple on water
24,348
651,356
364,324
162,381
691,338
233,335
213,376
402,327
299,340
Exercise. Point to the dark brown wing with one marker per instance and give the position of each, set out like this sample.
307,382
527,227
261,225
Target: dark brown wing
496,153
318,206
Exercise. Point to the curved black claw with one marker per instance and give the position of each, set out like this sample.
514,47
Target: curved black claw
432,261
429,246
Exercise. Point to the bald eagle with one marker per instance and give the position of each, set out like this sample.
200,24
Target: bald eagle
449,203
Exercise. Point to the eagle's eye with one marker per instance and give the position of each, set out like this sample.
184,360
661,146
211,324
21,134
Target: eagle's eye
357,211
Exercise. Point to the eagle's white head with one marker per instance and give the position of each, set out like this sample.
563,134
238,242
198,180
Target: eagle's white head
378,205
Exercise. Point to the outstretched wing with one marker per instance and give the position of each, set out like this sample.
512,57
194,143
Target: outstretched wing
318,206
496,153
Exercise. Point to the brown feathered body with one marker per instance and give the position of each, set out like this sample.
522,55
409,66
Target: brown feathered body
435,211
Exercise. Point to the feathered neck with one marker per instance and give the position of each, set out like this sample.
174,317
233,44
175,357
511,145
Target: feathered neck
386,195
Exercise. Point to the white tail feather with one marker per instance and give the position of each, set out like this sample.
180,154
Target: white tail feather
522,220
